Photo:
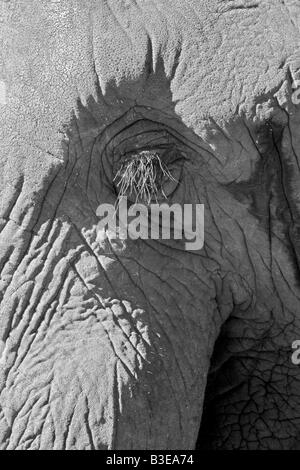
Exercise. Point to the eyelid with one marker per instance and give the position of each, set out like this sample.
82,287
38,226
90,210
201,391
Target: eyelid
169,154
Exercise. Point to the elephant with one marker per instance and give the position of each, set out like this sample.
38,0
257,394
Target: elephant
110,343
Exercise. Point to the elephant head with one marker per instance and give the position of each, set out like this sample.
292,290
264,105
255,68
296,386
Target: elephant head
108,343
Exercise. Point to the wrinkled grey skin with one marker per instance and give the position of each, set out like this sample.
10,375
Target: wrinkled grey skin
115,345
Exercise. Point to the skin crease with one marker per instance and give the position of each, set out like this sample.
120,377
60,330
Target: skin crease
138,344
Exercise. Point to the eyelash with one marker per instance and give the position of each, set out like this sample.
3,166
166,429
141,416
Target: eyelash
145,175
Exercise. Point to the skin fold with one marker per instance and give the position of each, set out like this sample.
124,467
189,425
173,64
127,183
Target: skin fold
140,344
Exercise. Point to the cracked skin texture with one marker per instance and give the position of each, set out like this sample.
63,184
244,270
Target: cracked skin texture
138,345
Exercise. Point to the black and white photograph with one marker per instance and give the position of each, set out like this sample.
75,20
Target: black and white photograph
150,228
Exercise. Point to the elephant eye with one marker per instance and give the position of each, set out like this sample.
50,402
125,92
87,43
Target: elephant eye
148,175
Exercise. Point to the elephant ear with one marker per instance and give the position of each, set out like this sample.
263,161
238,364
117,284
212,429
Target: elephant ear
294,10
290,138
294,61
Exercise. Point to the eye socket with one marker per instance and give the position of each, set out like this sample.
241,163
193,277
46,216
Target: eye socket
147,176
